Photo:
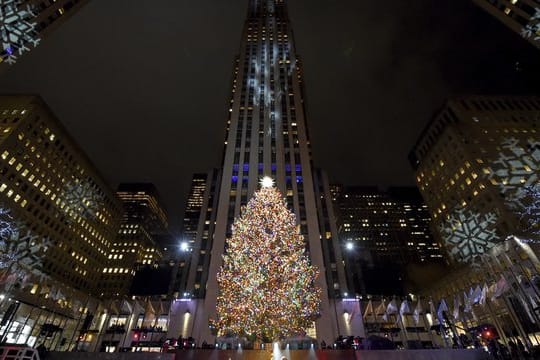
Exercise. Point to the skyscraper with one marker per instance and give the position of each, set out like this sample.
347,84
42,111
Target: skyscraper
64,222
267,136
56,193
141,239
24,24
197,229
383,232
473,163
522,16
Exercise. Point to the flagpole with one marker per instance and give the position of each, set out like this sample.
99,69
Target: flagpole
442,328
404,338
493,315
524,295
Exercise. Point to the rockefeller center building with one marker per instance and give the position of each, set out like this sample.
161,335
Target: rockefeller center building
477,165
266,135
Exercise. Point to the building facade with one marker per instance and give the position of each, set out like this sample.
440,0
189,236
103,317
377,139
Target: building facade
522,16
63,221
382,232
476,165
141,239
266,135
25,23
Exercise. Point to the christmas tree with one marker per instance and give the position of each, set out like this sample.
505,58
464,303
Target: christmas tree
266,283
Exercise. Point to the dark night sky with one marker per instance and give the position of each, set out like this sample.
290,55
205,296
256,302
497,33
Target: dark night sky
144,86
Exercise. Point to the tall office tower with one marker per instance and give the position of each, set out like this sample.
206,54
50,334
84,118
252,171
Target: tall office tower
474,163
194,206
267,136
144,225
383,232
55,192
522,16
25,23
197,229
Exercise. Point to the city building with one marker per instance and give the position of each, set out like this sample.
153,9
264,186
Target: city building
143,228
477,164
198,227
383,232
61,222
522,16
266,135
500,290
25,23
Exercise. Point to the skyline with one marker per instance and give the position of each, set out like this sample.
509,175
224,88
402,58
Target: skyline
108,76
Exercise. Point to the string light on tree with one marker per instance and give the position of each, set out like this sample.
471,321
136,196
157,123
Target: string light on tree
266,283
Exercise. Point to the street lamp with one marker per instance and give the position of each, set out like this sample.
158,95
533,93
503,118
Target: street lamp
184,246
349,245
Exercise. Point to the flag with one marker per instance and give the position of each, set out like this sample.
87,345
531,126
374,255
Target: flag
149,311
368,310
476,295
502,287
467,303
381,310
404,308
59,295
432,308
392,307
126,307
417,311
491,290
456,312
441,309
113,307
483,296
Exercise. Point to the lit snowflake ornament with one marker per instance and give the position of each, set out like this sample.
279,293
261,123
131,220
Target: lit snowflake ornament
468,234
17,31
21,255
528,208
83,198
531,31
517,166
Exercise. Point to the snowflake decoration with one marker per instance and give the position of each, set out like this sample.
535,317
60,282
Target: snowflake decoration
529,208
531,31
517,167
82,198
21,254
17,31
468,234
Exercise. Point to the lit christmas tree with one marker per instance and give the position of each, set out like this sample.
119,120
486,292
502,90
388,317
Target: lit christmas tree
266,283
